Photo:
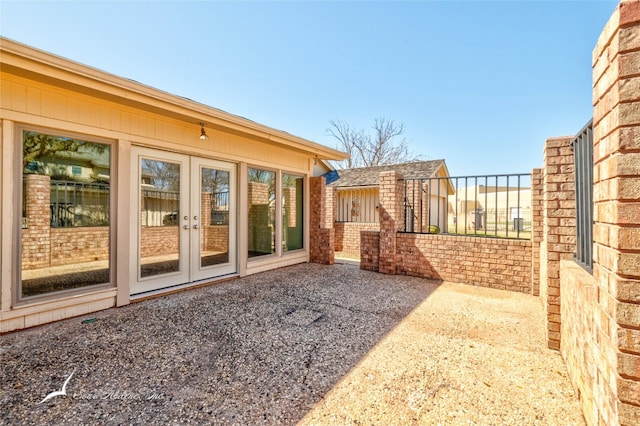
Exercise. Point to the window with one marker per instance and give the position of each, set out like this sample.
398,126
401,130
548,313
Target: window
582,146
262,212
292,218
56,198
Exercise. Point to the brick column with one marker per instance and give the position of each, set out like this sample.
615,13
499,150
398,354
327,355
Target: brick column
322,239
36,235
330,207
536,228
559,224
391,219
616,269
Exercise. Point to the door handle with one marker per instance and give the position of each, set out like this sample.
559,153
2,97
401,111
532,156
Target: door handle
185,226
195,227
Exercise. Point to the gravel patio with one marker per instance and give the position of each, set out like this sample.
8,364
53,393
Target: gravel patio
308,344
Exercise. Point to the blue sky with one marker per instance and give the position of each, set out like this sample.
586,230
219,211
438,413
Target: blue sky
480,84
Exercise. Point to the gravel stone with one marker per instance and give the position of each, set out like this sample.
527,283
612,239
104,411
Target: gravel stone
310,343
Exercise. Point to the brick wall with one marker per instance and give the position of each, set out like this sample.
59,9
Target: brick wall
159,240
214,238
559,227
488,262
321,238
80,244
586,363
347,235
616,120
370,250
600,321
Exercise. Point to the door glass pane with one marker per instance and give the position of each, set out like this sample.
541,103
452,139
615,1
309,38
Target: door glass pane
159,217
292,219
262,218
214,213
65,214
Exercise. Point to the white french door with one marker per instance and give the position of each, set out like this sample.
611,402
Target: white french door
184,219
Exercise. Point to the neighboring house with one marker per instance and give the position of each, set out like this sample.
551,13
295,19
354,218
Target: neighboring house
491,208
356,202
113,190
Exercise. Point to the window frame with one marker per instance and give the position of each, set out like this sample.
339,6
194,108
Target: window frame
18,300
279,253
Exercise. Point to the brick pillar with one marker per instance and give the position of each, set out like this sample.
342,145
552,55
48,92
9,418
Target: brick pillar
391,219
616,269
36,234
536,228
330,207
322,238
559,223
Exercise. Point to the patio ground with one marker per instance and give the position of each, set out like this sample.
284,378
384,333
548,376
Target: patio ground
311,343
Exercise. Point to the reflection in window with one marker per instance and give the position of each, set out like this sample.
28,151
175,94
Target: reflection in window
66,214
159,215
214,210
262,218
292,220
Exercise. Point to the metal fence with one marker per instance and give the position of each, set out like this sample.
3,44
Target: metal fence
357,205
75,204
219,202
160,208
582,146
484,206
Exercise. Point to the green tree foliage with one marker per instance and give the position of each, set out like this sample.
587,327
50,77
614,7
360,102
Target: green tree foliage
37,146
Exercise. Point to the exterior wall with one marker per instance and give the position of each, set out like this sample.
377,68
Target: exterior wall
559,227
600,311
347,235
42,92
587,365
616,269
487,262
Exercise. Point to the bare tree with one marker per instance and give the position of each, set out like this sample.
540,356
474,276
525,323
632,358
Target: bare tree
385,145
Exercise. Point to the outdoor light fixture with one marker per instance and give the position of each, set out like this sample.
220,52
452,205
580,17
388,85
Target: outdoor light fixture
315,160
203,134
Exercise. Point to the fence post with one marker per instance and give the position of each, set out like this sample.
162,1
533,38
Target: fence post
391,219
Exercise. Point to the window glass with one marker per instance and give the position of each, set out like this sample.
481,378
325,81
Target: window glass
292,219
262,207
159,215
65,214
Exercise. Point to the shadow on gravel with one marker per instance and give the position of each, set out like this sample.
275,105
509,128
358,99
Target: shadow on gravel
258,350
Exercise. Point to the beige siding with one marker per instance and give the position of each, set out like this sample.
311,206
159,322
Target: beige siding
41,92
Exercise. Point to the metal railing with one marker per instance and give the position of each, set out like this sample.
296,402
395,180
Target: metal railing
75,204
357,205
219,202
484,206
582,146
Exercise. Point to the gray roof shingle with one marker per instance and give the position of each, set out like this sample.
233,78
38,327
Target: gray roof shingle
368,176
